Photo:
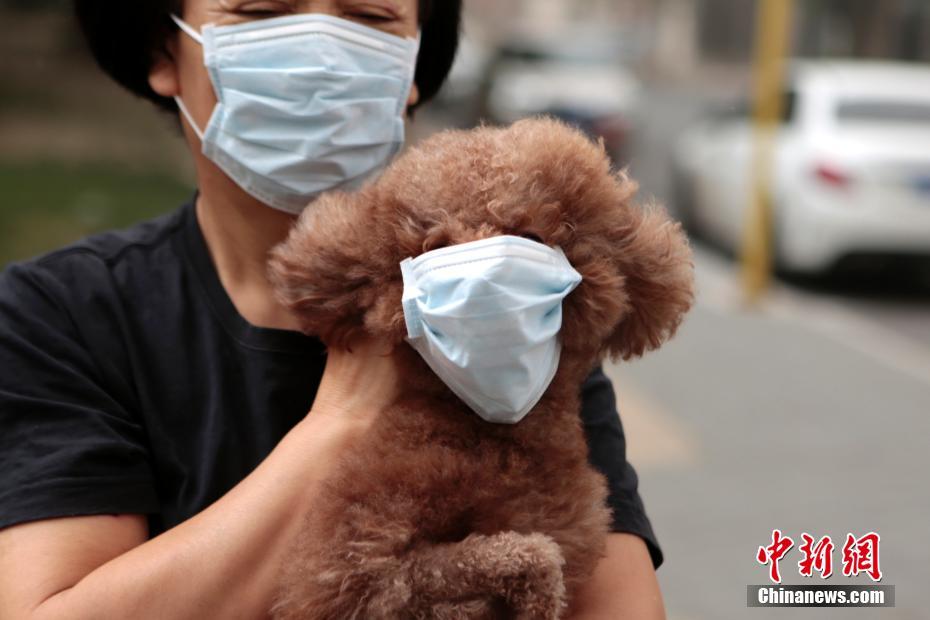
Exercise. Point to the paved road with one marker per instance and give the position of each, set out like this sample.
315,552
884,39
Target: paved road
799,415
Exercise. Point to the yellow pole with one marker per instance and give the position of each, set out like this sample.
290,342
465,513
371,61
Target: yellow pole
773,35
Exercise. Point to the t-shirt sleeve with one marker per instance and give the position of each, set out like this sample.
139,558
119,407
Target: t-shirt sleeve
607,453
68,445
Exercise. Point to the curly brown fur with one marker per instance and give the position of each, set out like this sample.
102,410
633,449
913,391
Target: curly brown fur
439,514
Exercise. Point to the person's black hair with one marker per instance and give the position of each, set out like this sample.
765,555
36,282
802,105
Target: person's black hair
126,38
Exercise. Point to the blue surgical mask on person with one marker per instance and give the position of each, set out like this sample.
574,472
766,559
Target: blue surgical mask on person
305,104
485,316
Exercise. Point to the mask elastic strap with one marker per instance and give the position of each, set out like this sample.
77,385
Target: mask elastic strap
187,28
183,25
189,117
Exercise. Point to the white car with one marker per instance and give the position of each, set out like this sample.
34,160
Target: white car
851,167
579,76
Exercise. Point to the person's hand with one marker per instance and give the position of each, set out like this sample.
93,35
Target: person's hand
358,383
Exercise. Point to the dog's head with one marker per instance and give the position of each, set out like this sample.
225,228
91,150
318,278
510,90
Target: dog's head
339,269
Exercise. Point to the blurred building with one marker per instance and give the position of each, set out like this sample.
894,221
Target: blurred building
683,34
897,29
866,28
549,15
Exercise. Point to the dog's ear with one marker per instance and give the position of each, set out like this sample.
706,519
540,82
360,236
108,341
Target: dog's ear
333,272
654,260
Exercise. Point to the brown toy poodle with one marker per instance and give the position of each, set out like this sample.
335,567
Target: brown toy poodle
439,514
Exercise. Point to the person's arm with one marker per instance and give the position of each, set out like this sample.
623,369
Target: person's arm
624,585
221,563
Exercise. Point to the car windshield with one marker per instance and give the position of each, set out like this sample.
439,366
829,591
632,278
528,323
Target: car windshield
897,112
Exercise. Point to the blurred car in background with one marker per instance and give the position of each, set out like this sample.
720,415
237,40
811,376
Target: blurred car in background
851,167
460,100
580,75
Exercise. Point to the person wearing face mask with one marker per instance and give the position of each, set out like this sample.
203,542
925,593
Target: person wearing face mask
165,425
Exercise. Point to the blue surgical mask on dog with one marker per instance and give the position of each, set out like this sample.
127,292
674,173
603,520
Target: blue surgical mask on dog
305,104
485,316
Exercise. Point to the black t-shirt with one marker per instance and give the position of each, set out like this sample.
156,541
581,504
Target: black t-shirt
129,383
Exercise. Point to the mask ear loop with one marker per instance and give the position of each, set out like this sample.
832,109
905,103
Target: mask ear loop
183,25
189,117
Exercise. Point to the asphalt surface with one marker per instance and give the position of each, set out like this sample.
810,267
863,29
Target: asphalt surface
785,421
